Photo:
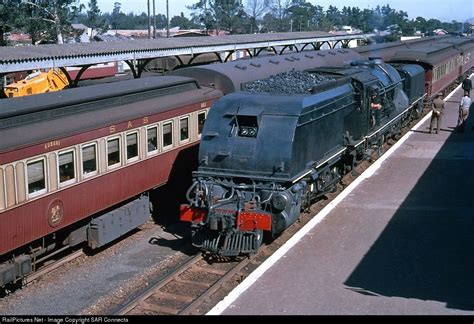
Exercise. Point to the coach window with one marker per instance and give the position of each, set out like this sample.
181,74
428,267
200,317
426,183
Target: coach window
167,135
20,182
152,139
113,152
201,120
67,172
89,159
36,178
10,185
132,146
184,129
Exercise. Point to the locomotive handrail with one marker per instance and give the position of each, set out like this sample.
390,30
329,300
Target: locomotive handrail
323,115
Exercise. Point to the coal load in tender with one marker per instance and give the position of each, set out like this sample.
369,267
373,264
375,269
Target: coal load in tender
291,82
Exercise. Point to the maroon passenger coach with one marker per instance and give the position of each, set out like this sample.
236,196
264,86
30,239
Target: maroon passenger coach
67,158
444,61
444,58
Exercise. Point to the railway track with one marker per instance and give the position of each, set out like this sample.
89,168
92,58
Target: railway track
196,286
53,265
184,290
43,267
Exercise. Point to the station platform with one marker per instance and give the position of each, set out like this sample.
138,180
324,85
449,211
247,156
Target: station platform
397,241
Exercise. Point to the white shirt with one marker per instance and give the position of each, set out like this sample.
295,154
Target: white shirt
466,102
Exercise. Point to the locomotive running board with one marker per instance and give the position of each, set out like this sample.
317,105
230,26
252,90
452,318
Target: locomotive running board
320,164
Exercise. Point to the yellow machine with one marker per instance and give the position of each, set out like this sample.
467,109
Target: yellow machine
37,82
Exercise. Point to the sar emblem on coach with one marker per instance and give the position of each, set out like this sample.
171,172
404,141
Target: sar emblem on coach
55,213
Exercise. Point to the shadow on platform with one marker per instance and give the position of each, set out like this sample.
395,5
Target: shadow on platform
426,251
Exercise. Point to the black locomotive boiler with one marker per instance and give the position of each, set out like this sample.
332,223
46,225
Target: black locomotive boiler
268,152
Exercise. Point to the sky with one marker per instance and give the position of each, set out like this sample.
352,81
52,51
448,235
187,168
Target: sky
444,10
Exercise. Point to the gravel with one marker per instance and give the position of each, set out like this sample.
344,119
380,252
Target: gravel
89,281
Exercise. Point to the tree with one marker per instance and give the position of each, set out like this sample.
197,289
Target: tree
218,14
9,16
356,18
255,9
392,17
333,14
242,23
202,14
229,13
325,24
43,21
377,19
279,9
366,17
115,14
316,18
93,13
269,23
301,13
181,21
120,20
420,24
95,19
58,13
433,24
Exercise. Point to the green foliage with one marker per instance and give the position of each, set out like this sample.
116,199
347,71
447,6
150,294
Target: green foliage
93,14
50,20
10,18
254,10
220,15
182,22
301,14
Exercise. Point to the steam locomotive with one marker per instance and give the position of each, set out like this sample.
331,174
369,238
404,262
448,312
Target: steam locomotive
265,156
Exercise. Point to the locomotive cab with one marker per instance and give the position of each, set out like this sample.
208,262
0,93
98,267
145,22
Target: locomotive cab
373,80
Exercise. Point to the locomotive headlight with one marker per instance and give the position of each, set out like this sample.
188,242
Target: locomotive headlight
279,201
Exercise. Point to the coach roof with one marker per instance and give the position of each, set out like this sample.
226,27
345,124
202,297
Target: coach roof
47,101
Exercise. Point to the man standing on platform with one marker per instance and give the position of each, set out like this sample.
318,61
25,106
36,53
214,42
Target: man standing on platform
463,111
467,86
437,112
